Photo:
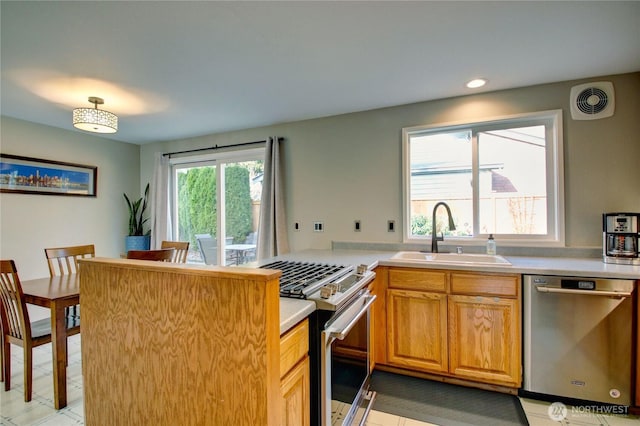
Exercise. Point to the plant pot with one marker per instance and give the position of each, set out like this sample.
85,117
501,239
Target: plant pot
137,242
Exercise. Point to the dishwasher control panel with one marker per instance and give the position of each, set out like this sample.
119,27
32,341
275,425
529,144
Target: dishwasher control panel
578,284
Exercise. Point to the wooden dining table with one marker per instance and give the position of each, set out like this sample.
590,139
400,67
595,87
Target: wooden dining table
56,293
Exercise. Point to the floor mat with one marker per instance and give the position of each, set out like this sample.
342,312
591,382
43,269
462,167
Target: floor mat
444,404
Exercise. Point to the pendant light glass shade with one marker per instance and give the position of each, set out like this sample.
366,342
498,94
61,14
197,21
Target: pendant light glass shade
94,119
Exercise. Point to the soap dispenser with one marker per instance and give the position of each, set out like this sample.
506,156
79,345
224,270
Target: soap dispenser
491,245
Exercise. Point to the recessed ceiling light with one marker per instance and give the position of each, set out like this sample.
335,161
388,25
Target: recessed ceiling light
478,82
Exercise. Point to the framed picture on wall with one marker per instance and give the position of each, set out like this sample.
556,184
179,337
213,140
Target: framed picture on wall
26,175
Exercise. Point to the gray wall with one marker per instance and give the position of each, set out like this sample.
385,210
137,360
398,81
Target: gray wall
29,223
337,169
348,166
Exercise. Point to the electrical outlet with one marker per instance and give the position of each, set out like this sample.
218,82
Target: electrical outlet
297,226
318,227
391,226
356,226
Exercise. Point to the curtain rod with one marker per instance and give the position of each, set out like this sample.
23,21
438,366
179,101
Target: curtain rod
215,147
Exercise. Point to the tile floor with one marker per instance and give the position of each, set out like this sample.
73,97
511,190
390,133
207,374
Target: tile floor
40,411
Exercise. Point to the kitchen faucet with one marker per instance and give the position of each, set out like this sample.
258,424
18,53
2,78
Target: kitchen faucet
434,236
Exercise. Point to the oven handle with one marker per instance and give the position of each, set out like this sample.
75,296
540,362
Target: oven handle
602,293
370,397
342,333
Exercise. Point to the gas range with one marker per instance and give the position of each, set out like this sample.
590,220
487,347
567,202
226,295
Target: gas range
329,286
343,310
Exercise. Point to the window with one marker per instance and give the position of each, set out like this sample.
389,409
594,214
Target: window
216,205
502,176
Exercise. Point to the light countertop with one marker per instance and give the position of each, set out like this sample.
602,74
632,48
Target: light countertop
292,311
563,266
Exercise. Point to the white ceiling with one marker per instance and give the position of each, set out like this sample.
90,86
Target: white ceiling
179,69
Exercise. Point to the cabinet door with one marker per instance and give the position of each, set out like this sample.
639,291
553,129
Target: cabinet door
484,339
417,330
294,388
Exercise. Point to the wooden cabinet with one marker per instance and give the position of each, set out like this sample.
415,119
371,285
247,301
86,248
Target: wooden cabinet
295,395
417,329
484,339
459,324
294,376
417,319
418,279
485,284
196,345
484,327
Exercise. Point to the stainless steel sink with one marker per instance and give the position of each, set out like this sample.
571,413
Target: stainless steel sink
454,258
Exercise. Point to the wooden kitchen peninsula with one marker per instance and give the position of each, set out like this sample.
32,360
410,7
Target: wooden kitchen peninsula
162,342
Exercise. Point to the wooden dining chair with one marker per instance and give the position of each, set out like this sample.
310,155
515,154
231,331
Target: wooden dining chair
161,255
18,330
64,261
181,250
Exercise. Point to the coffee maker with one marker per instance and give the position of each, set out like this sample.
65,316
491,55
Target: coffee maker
620,235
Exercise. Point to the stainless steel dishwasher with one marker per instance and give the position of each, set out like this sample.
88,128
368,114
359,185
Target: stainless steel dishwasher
577,338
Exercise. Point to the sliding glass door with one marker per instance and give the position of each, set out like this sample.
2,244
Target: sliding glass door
216,206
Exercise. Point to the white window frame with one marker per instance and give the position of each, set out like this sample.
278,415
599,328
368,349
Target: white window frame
552,119
211,159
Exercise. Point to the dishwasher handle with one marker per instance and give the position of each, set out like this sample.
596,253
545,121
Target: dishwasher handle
601,293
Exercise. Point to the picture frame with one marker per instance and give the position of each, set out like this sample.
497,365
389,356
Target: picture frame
26,175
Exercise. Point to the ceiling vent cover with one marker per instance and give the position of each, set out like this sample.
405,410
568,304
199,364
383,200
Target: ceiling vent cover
591,101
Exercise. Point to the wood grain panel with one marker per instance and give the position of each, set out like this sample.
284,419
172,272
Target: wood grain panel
294,345
417,329
484,339
296,405
163,342
481,284
417,279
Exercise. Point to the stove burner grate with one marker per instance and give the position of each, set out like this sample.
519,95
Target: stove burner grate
300,276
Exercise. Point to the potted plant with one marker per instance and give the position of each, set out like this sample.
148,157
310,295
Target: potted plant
137,238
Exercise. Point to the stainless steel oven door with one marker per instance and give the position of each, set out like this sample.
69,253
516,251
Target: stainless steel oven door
345,361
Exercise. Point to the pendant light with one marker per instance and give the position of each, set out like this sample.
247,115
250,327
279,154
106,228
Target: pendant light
94,119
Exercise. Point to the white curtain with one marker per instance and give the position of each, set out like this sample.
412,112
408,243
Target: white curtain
272,232
159,201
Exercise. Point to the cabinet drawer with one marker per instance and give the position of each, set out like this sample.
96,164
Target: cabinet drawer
418,279
294,345
477,284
